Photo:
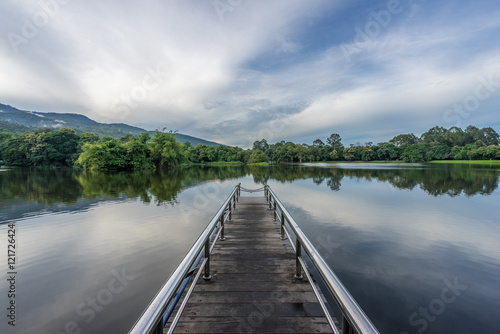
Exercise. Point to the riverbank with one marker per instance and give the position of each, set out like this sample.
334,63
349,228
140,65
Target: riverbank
468,162
223,163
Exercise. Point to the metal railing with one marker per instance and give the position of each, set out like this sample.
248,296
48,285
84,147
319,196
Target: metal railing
353,317
157,314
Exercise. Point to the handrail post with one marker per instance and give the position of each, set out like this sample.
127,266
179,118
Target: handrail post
234,201
275,214
298,254
346,326
206,275
159,327
270,202
230,212
283,226
222,227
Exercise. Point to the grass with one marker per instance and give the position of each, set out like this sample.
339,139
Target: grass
259,164
357,161
217,163
463,162
224,163
467,162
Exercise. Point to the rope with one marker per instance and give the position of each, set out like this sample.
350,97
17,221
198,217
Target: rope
252,190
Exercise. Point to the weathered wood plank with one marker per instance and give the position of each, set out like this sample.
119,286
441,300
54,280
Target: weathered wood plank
268,308
252,287
253,324
245,297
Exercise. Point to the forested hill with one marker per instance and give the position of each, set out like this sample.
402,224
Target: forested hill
17,121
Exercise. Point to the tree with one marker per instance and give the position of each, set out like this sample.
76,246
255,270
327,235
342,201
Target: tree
350,153
260,145
388,151
435,134
110,154
62,147
335,141
472,134
456,136
318,143
439,151
258,156
367,153
88,137
301,151
416,153
4,139
14,151
165,149
404,140
312,153
138,154
490,136
335,155
43,148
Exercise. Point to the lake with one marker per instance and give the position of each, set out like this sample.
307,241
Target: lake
417,245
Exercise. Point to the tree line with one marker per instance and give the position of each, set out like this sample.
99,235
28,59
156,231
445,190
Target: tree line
437,143
64,148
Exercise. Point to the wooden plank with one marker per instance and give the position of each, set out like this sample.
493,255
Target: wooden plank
253,288
253,324
245,297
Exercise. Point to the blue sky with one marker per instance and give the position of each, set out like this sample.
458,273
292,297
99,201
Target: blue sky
236,71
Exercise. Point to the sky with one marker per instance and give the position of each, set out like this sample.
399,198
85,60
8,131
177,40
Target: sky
236,71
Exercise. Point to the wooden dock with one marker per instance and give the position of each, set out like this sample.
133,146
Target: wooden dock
253,289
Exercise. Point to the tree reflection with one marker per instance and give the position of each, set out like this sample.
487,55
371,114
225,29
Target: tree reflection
67,186
40,186
436,180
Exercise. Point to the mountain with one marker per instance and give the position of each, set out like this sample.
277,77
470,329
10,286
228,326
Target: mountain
17,121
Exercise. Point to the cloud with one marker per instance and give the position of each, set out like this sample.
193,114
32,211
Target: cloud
232,73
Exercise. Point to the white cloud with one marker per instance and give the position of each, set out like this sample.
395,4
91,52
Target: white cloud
228,79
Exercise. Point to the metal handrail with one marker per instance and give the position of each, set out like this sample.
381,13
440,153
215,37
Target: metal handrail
353,317
151,320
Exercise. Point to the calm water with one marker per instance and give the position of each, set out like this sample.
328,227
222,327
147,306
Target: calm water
416,245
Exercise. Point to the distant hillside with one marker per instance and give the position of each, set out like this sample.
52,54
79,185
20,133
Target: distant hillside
17,121
14,127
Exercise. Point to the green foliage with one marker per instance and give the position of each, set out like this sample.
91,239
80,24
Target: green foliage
42,148
318,143
165,150
416,153
14,127
4,139
388,151
258,156
14,151
404,140
435,135
335,141
111,153
63,147
89,138
261,145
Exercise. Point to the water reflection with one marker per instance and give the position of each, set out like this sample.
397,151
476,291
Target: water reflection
23,190
436,180
59,186
393,248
